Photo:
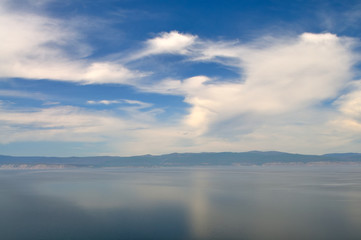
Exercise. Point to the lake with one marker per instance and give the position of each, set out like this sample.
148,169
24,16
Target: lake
243,202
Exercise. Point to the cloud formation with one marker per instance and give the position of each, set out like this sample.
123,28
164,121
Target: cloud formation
133,103
278,76
166,43
67,124
282,93
39,47
293,93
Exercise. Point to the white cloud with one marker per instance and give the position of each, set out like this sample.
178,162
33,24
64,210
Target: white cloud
166,43
105,102
134,103
63,123
138,104
280,95
35,47
275,104
349,106
172,42
76,124
350,103
22,94
285,76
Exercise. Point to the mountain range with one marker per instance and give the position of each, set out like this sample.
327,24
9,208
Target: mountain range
179,159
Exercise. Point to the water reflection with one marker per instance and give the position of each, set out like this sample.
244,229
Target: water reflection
182,203
198,204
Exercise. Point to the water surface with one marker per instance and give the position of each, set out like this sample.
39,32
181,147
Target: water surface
268,202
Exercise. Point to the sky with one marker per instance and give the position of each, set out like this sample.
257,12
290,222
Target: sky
133,77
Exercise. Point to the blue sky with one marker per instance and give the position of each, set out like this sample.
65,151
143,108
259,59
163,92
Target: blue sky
91,77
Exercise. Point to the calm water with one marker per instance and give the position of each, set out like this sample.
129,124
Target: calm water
182,203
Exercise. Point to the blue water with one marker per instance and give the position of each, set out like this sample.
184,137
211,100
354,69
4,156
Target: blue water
268,202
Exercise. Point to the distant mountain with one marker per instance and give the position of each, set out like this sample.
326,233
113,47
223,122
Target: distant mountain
179,159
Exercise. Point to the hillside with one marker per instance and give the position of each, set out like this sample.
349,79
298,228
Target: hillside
180,159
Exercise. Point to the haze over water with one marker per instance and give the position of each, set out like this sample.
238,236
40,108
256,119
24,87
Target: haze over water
273,202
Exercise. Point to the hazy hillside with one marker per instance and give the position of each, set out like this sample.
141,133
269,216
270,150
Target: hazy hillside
180,159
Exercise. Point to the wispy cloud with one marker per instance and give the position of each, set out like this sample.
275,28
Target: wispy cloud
105,102
133,103
23,94
349,106
35,47
61,123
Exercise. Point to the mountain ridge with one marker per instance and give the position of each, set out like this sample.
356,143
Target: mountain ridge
183,159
